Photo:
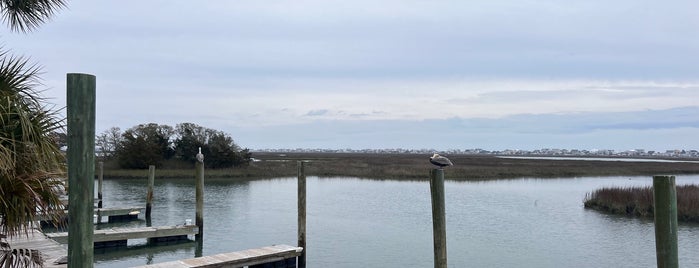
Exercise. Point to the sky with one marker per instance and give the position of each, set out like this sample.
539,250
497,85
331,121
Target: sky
439,75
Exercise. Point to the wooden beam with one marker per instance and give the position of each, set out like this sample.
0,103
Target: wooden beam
81,167
439,230
301,195
149,194
665,212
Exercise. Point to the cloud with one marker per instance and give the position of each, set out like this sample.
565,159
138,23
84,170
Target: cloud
317,112
651,129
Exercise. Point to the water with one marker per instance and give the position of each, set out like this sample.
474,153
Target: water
369,223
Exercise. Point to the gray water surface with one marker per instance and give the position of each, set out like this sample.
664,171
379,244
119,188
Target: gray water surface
372,223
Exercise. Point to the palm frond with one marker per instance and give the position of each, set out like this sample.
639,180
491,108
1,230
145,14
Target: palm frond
21,258
27,15
29,157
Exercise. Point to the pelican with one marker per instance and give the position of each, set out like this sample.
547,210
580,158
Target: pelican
200,156
440,161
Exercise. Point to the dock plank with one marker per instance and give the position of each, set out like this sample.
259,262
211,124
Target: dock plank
116,234
50,250
235,259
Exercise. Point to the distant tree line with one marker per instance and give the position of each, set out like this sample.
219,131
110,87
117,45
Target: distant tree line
153,144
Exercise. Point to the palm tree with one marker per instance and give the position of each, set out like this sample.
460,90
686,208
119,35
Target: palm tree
29,158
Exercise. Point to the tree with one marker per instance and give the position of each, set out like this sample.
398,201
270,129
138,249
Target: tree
107,143
218,147
189,138
144,145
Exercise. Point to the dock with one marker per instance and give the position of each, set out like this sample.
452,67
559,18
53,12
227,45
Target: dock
51,251
120,236
112,214
273,256
118,214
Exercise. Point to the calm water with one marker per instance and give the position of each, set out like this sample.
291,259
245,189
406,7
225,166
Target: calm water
367,223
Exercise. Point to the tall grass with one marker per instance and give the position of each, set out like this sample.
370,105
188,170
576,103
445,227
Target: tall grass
638,201
412,167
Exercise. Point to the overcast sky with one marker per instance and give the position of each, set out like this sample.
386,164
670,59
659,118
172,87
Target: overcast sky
386,74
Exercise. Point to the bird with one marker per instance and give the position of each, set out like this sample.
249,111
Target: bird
200,156
440,161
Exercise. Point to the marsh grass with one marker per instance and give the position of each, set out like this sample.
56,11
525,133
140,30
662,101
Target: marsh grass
638,201
411,167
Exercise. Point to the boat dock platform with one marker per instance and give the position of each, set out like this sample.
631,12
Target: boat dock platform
51,251
283,256
118,214
112,214
119,236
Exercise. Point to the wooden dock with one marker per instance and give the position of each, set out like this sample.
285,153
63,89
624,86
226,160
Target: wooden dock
272,256
118,214
50,250
119,236
112,214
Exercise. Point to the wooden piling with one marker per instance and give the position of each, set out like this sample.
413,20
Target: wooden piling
665,202
301,187
149,195
439,231
200,199
100,179
81,167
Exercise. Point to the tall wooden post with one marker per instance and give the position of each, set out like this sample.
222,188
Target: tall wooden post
439,230
149,195
81,168
301,187
665,199
199,165
100,179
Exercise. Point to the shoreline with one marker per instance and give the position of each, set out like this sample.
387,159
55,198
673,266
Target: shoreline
416,167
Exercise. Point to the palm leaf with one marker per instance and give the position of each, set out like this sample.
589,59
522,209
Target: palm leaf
27,15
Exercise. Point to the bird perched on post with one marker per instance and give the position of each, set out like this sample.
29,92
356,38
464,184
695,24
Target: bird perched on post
440,161
200,156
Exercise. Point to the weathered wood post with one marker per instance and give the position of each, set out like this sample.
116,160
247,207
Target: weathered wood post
301,187
149,195
81,168
199,166
665,201
100,179
439,230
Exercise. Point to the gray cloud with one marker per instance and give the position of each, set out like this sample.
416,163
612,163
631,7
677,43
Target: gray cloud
317,112
651,129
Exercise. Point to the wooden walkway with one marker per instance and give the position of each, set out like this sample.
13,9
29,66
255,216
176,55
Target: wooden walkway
278,256
123,234
50,250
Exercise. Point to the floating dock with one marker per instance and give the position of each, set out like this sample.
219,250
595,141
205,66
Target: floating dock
119,236
273,256
51,251
118,214
112,214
